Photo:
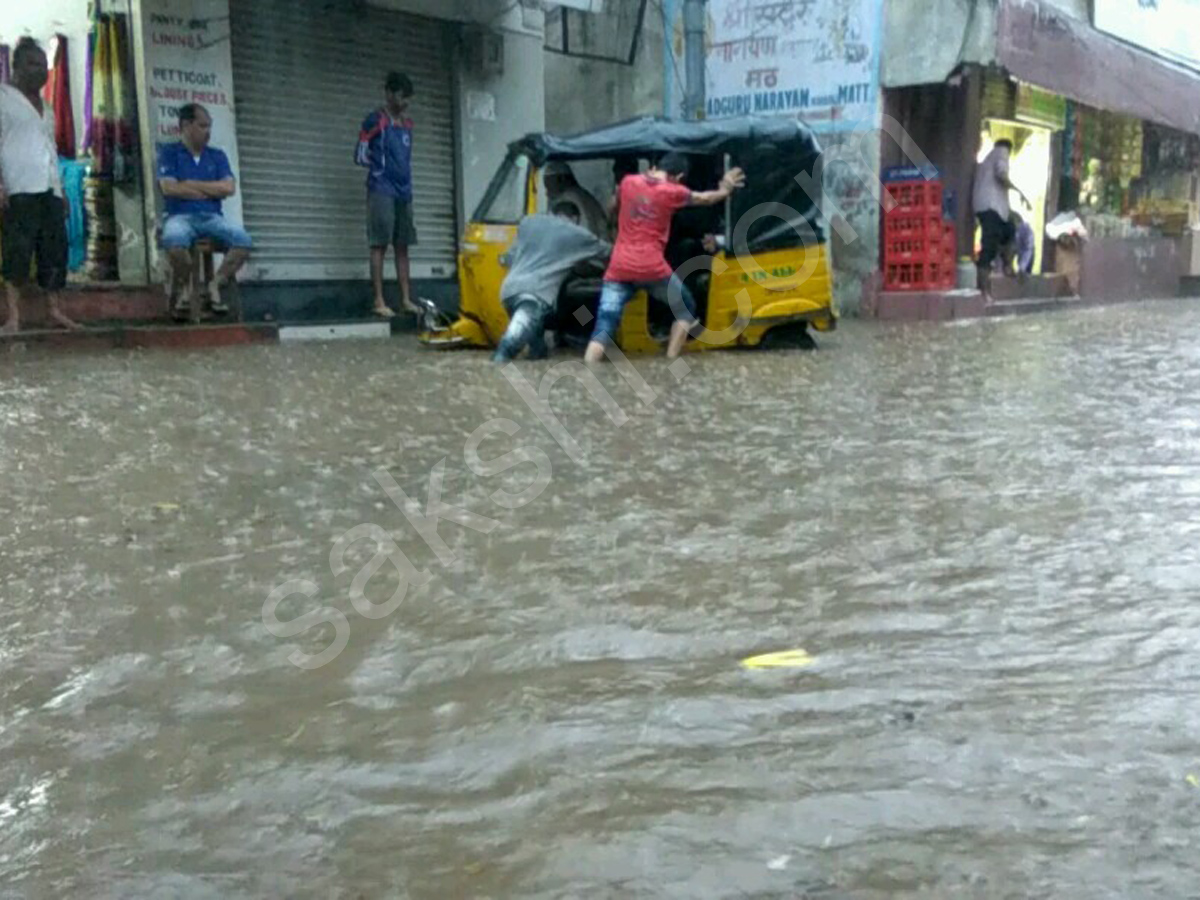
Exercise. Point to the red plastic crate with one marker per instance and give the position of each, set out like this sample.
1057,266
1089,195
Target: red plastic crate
918,238
927,226
914,276
901,250
914,197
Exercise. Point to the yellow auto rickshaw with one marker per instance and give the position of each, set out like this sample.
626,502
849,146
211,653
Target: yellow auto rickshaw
763,279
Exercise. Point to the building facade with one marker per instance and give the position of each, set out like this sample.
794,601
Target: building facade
1082,86
886,83
1101,100
289,83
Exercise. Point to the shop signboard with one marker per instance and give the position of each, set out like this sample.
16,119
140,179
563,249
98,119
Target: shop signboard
1038,107
1165,27
815,60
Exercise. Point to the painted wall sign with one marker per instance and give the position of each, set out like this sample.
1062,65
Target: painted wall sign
1165,27
816,60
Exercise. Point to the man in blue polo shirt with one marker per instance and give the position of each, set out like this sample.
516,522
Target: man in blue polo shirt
194,178
385,150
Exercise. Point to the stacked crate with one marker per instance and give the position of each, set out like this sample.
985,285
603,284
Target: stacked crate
919,243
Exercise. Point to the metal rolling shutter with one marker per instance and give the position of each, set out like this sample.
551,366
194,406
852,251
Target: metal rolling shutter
306,74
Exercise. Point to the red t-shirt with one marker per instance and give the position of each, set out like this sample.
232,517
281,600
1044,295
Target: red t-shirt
647,206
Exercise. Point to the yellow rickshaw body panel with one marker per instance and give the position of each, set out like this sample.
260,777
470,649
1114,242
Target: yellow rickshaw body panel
773,288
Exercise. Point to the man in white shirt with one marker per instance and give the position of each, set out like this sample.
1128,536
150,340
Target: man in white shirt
990,202
31,194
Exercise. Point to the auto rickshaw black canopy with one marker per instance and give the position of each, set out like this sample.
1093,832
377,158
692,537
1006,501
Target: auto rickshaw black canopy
654,135
780,206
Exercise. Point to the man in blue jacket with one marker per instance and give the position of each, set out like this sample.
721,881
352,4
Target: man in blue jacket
385,150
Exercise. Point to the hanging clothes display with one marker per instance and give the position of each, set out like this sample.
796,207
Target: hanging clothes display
101,248
73,173
113,132
58,94
89,78
112,139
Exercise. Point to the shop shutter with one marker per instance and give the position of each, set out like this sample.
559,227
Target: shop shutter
306,74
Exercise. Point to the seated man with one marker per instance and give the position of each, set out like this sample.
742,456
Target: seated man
194,178
547,248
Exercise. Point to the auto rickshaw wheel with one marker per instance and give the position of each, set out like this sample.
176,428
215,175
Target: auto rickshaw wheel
792,336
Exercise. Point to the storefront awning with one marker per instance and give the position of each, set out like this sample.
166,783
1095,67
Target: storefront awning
1040,45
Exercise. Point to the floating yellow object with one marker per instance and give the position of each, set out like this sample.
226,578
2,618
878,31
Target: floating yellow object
787,659
167,507
1193,781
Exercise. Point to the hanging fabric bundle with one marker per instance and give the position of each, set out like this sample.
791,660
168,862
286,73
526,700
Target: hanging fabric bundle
99,199
114,130
58,94
73,173
102,130
125,100
89,79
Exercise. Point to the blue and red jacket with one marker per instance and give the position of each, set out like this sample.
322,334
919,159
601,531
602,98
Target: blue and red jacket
385,150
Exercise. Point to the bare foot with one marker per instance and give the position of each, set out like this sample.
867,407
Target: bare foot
384,312
62,321
413,308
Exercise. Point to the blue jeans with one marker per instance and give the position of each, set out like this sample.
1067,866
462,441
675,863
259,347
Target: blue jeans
180,232
526,327
616,294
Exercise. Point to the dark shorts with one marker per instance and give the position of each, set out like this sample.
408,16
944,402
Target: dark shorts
390,222
35,227
997,234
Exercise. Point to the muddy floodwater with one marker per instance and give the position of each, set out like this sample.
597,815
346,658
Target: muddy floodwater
985,536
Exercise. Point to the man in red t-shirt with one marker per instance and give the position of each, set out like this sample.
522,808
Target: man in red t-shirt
647,202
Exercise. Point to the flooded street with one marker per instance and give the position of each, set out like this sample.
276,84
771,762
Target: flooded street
987,536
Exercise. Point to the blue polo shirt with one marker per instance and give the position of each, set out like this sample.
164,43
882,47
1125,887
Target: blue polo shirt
385,150
176,161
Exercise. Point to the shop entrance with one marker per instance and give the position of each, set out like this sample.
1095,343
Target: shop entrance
1030,169
307,74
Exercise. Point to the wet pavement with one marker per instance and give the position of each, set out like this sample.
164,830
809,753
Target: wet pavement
987,536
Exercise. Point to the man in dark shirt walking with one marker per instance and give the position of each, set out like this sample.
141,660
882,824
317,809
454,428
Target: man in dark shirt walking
385,150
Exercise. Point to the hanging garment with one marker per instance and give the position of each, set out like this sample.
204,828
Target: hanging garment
58,94
73,174
114,128
101,143
89,77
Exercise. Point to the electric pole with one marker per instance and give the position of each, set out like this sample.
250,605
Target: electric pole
693,38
